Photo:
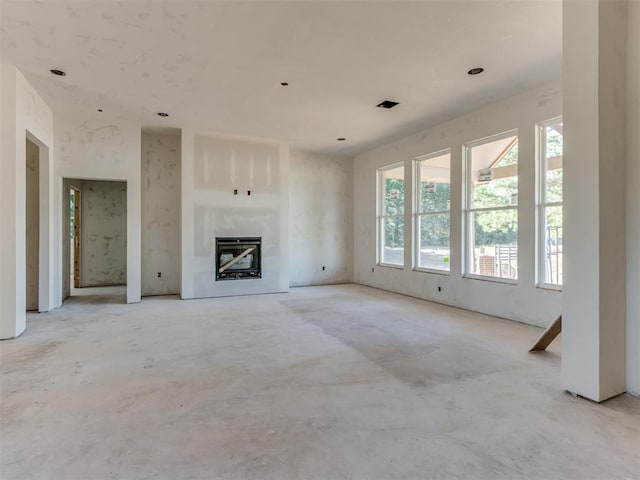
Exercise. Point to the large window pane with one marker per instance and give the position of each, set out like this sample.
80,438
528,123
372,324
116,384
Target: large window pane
494,239
434,188
494,173
393,191
553,245
434,233
393,241
553,163
550,203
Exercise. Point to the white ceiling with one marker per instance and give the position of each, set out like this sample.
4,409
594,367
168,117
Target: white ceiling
218,65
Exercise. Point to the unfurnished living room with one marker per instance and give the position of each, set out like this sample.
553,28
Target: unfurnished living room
318,239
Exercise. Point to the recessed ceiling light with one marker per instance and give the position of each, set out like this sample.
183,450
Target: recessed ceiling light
341,139
387,104
59,73
284,84
476,71
163,114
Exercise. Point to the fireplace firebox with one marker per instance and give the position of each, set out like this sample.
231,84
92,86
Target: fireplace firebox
238,258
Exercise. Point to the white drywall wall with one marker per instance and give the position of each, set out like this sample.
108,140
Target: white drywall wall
161,213
594,303
33,224
321,219
24,114
100,149
522,302
103,247
633,198
212,167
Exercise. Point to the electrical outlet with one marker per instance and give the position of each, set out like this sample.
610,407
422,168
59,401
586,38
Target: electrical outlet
372,269
159,274
324,268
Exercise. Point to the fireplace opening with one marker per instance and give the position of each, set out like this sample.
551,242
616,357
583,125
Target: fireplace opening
238,258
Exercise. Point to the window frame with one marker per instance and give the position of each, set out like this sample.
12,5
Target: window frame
542,204
417,214
380,216
467,211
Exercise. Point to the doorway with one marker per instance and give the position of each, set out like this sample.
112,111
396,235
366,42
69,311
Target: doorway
75,205
32,223
95,258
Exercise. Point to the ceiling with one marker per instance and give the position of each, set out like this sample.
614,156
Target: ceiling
218,65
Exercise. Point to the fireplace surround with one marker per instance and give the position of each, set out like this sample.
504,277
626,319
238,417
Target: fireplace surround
238,258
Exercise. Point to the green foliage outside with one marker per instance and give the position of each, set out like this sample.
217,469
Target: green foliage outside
491,228
394,205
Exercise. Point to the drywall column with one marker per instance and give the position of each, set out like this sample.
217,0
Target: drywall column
594,301
12,318
24,114
633,198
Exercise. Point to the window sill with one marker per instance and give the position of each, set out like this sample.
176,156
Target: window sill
550,287
432,270
484,278
390,265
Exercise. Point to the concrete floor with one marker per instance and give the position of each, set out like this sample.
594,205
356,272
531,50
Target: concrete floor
336,382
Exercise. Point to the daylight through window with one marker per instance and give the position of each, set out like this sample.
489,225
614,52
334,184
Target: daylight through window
391,229
491,212
432,219
550,203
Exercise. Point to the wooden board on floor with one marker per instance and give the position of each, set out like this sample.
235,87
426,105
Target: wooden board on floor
548,335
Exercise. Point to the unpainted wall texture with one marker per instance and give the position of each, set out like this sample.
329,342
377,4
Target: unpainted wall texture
321,219
32,223
104,233
160,213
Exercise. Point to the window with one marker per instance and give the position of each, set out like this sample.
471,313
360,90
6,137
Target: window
391,215
432,219
491,207
550,244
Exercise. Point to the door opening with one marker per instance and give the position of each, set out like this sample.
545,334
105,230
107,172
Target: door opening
96,254
75,206
32,221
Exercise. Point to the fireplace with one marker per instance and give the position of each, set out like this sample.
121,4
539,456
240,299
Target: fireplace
238,258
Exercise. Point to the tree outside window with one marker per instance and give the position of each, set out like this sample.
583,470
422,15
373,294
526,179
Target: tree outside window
391,226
